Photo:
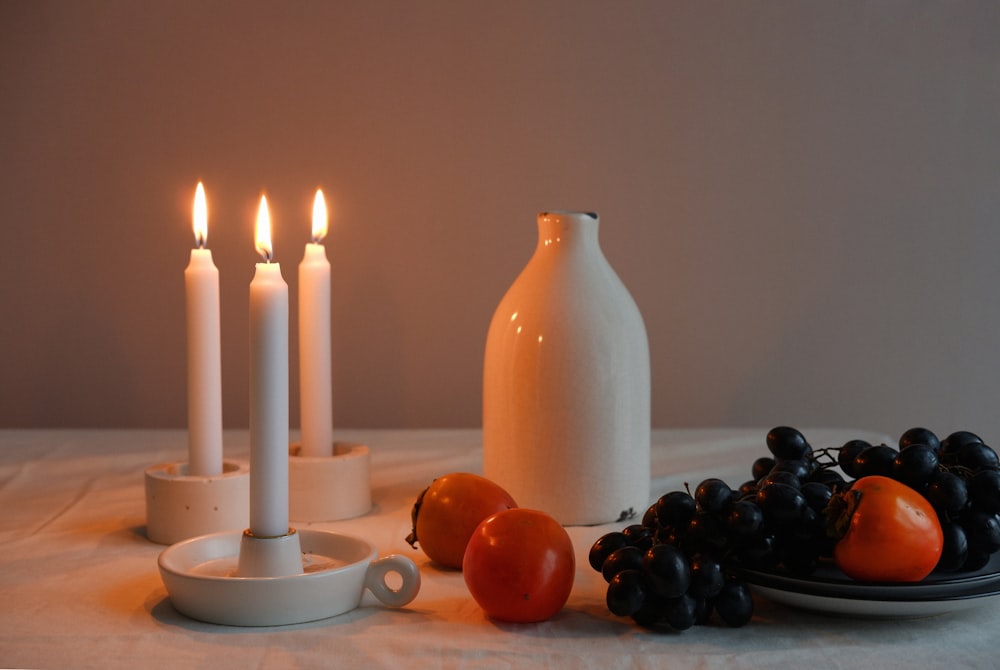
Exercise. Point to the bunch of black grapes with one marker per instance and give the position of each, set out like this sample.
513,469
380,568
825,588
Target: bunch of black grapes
683,564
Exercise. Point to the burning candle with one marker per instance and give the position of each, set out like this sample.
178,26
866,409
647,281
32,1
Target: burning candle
204,373
268,390
315,392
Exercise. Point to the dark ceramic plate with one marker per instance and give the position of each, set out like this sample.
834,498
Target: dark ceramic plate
829,590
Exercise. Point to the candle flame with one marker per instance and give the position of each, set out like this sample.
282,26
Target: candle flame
264,230
320,218
200,217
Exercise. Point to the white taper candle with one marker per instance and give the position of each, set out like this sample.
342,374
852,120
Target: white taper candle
204,360
315,388
268,390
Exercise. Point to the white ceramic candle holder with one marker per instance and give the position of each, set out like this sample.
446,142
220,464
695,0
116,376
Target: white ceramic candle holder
329,488
205,581
180,506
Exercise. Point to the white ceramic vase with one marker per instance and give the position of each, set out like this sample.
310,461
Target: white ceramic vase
566,391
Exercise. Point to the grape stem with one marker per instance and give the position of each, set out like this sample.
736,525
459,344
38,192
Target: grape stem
829,453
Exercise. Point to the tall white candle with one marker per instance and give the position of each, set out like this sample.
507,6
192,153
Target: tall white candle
315,388
268,390
204,371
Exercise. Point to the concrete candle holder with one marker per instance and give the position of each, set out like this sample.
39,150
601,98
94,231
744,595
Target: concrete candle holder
180,506
329,488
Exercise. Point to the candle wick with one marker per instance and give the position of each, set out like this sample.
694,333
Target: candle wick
199,241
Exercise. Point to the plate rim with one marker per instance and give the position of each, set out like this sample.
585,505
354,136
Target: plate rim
873,609
983,582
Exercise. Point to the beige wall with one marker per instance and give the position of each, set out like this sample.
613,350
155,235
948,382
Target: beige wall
802,197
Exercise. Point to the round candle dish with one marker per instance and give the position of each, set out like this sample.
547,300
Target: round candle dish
202,579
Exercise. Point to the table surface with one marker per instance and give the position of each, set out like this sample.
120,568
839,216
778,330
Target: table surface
79,585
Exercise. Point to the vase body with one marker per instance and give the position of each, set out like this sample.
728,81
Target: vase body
566,389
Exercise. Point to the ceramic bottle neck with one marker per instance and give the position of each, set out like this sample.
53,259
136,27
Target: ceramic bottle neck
562,229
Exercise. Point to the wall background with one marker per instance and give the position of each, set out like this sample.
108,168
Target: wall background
803,198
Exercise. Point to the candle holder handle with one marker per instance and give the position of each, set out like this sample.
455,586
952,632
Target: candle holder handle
379,569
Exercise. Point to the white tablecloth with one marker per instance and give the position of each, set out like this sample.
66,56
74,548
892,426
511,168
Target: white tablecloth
79,585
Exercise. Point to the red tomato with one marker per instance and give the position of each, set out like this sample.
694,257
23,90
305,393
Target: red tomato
447,512
890,532
519,565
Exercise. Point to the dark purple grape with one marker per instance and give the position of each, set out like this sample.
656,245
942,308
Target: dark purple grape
781,504
649,519
984,491
704,611
977,559
676,509
734,604
707,578
797,467
747,488
915,436
817,495
947,492
758,552
978,456
626,558
951,445
744,518
670,535
706,532
915,465
876,460
713,495
761,467
810,524
786,442
779,477
681,613
639,536
625,593
651,612
955,550
604,546
666,570
982,530
848,453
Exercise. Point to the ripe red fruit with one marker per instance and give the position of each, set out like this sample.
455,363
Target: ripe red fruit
887,532
448,511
